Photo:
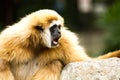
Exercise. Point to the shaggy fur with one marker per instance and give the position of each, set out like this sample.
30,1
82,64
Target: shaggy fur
24,51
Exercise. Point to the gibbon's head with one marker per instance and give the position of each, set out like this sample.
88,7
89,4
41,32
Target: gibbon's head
40,28
45,27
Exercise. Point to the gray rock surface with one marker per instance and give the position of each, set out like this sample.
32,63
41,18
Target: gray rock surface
106,69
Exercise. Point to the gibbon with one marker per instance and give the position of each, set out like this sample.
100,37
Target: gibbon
38,47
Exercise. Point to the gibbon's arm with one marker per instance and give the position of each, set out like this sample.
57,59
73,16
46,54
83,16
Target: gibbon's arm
5,72
110,54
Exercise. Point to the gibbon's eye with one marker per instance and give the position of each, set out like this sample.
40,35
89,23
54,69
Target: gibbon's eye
39,28
59,26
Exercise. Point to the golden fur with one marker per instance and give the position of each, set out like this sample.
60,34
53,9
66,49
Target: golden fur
23,51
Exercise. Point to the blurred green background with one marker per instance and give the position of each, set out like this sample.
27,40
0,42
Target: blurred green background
96,22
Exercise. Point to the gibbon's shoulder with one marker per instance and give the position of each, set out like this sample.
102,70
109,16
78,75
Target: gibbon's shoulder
71,43
69,36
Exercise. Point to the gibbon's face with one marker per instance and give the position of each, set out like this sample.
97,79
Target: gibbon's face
55,31
46,26
51,35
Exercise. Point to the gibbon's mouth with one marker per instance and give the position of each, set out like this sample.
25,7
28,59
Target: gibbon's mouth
55,42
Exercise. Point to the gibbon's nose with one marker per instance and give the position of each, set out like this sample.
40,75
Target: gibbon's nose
59,34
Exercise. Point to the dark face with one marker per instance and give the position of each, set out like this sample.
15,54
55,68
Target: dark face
55,34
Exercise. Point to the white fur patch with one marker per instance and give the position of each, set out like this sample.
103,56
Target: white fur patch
47,38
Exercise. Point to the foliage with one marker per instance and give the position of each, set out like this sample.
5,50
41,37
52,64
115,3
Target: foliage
110,22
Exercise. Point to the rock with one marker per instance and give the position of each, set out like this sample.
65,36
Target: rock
106,69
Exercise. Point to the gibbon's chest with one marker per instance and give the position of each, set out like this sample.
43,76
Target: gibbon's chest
25,71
